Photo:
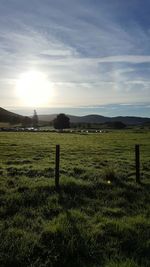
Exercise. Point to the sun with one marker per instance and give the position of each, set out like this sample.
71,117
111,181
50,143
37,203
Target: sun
34,89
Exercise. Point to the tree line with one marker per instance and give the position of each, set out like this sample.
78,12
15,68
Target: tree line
62,121
31,122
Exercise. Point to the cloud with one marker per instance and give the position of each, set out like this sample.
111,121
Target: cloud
89,51
132,59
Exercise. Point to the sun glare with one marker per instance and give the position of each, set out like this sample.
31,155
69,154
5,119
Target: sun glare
34,89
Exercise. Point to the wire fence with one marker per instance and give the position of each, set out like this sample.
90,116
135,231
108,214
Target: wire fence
128,162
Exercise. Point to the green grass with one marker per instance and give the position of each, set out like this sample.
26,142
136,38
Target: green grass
100,217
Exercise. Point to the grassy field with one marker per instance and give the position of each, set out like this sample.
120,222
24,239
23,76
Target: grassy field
99,218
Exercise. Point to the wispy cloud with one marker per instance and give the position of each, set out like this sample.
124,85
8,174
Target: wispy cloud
93,52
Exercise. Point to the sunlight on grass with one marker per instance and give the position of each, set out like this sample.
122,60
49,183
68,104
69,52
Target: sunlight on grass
99,217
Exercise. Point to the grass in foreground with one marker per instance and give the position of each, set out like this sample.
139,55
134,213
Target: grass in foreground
90,222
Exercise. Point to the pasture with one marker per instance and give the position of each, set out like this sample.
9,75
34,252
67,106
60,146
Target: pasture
100,217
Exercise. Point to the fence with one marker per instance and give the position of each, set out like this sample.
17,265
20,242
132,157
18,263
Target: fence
57,166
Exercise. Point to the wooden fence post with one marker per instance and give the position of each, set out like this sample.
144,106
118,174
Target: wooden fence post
137,163
57,160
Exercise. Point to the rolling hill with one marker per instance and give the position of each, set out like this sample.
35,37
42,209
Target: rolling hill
10,117
128,120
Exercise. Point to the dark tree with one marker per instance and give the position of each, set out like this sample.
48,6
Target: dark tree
35,120
61,122
88,125
26,122
118,125
14,120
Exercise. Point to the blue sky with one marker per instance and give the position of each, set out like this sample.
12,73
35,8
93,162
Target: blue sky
95,53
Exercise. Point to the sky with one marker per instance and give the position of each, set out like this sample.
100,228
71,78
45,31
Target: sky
92,56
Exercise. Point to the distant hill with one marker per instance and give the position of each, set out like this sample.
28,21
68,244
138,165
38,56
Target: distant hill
47,118
128,120
10,117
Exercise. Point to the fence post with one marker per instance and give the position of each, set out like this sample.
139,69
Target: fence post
137,163
57,160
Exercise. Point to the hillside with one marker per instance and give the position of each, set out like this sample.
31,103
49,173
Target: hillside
10,117
7,116
99,119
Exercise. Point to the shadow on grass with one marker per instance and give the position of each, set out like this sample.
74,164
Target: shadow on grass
65,239
127,198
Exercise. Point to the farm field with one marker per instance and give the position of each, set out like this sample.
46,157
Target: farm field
100,217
